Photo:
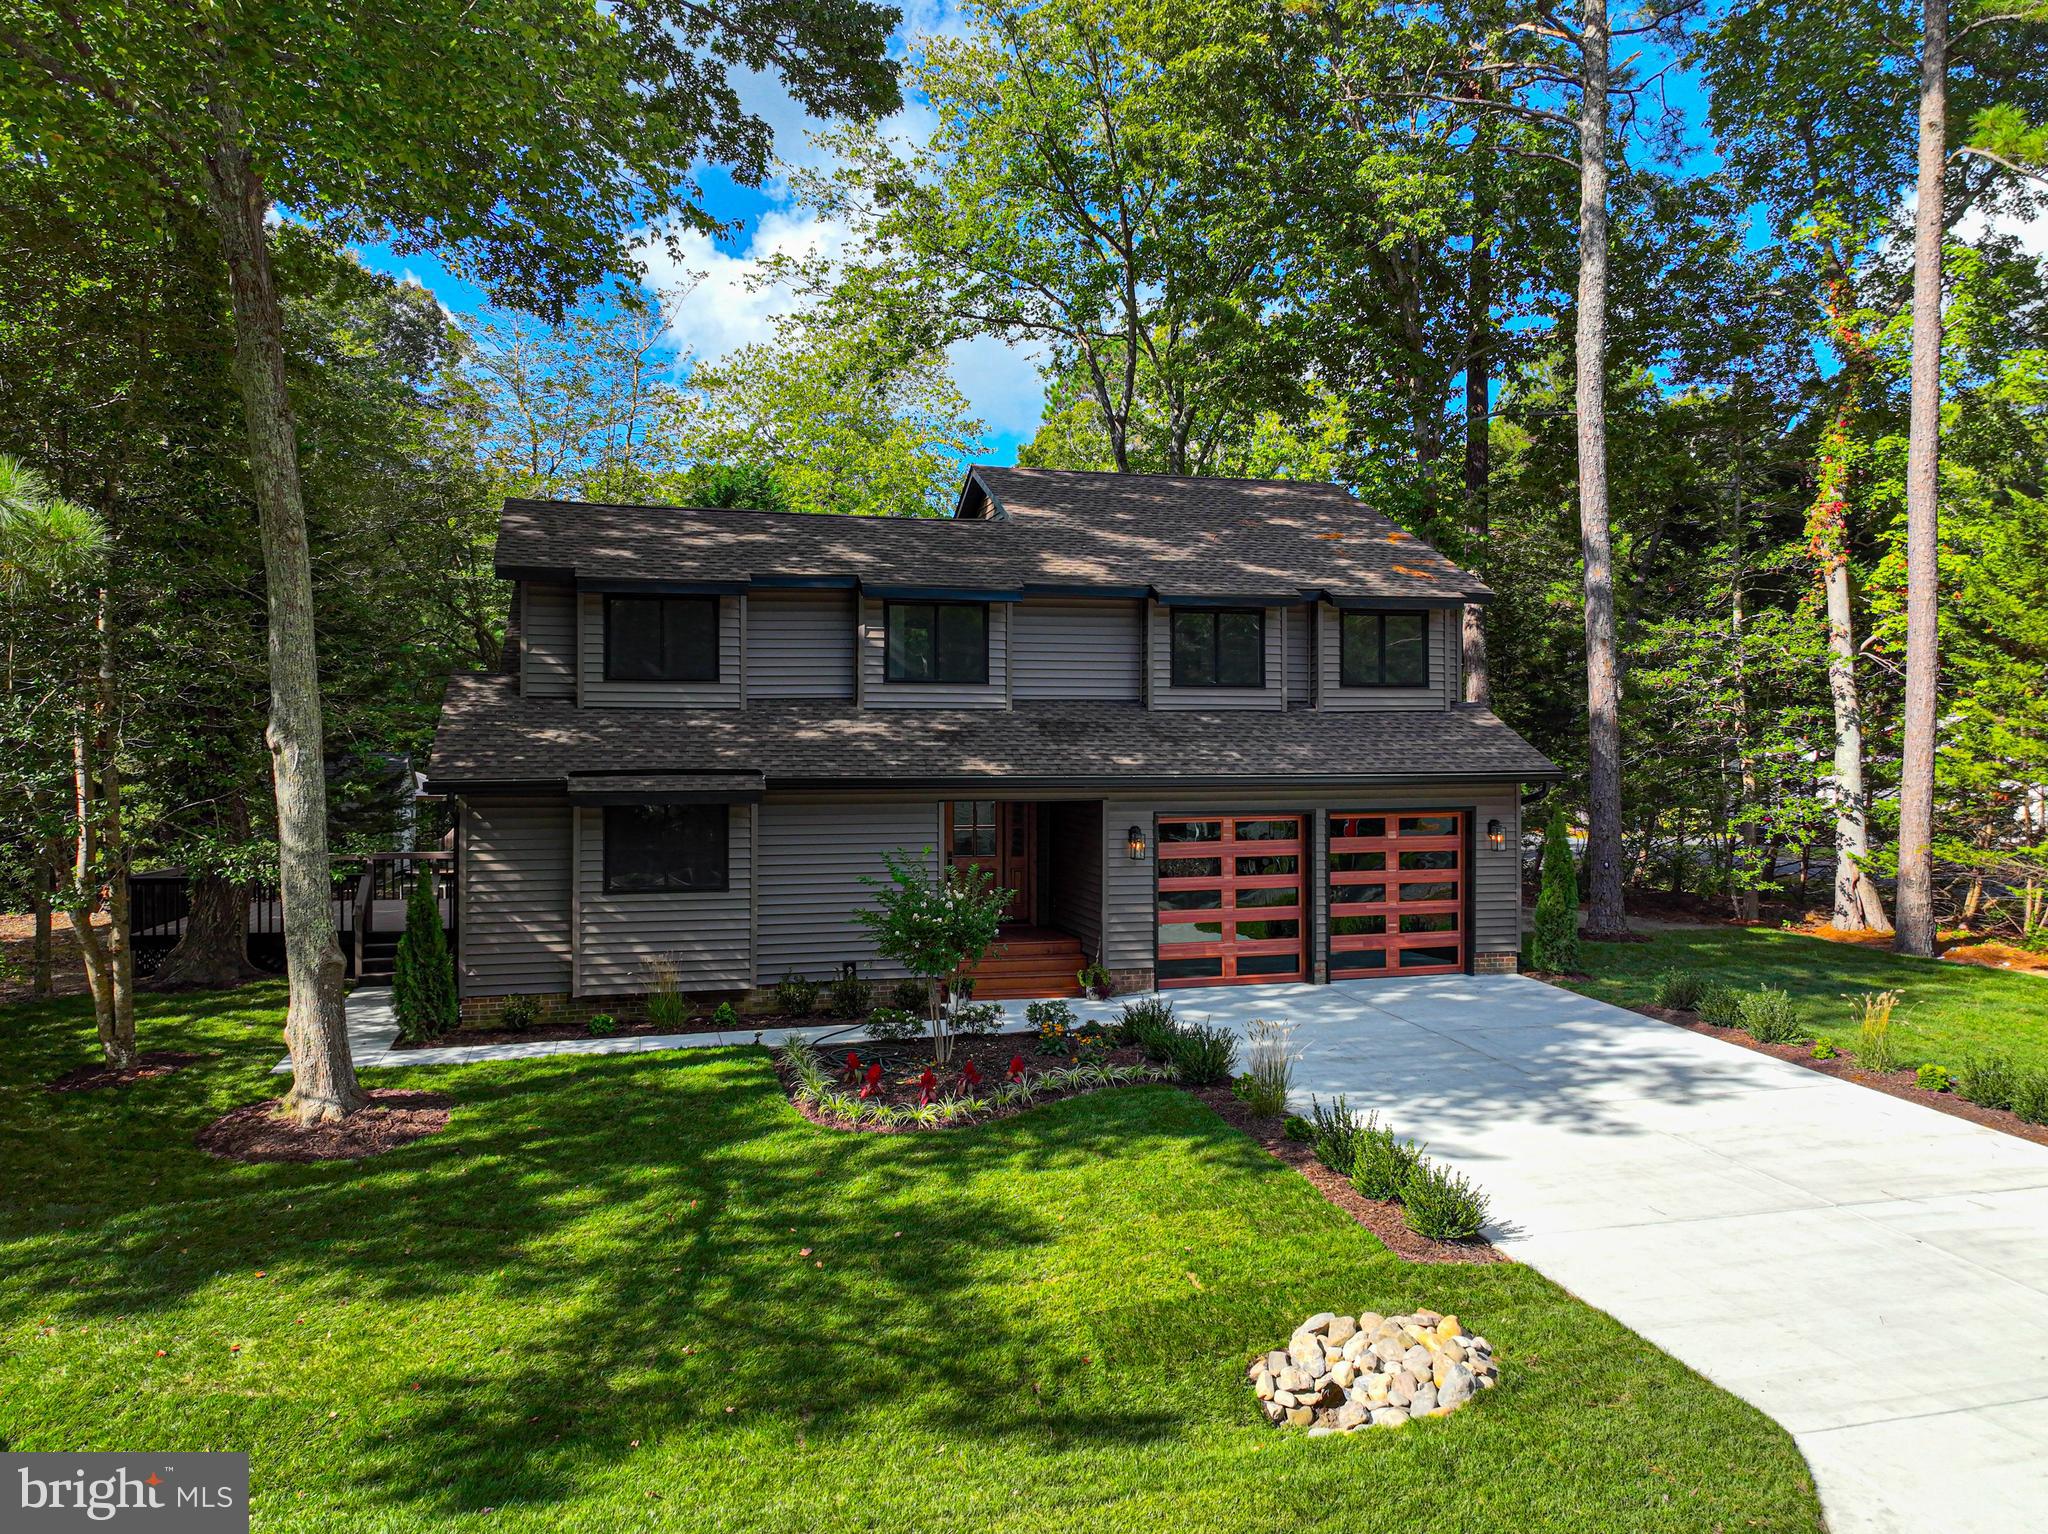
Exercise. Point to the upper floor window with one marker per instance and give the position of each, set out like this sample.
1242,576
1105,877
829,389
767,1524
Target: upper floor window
936,642
1383,649
660,639
1219,647
658,848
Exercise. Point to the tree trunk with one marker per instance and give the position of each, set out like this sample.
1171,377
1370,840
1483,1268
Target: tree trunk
1748,898
1915,906
323,1075
213,952
42,967
1858,905
1478,398
1605,916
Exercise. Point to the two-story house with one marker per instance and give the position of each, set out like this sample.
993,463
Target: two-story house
1209,731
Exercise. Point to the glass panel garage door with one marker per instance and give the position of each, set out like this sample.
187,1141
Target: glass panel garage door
1230,899
1397,894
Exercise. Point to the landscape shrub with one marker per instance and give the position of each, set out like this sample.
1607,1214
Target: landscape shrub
602,1024
1767,1014
726,1015
895,1024
2030,1094
667,1007
1876,1050
976,1018
1721,1007
795,996
1554,941
1053,1022
1295,1127
852,997
1825,1051
1334,1132
1269,1068
1441,1204
1149,1025
1381,1164
518,1013
1203,1056
1932,1078
423,981
1682,989
1986,1080
912,995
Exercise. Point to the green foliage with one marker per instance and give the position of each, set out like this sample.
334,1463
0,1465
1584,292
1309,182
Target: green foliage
1988,1080
1554,940
1441,1204
1297,1128
1093,977
1056,1016
423,981
896,1024
1269,1069
1720,1006
852,997
602,1025
516,1014
1381,1164
1876,1050
1335,1133
1682,990
976,1018
667,1007
1930,1077
1202,1055
2030,1094
1825,1051
912,995
1150,1025
1768,1016
725,1016
933,924
796,997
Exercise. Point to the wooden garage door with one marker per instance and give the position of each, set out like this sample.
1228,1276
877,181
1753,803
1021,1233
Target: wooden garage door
1397,893
1231,908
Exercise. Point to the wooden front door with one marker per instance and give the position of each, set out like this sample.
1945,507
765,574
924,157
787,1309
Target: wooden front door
1397,894
1230,899
1001,838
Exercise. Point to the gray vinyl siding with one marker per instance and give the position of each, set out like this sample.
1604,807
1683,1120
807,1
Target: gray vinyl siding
814,854
877,692
514,889
1076,850
800,644
1164,695
707,933
1079,649
1494,873
598,693
1299,623
547,641
1443,626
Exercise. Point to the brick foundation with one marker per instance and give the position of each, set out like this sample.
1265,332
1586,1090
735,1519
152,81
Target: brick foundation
1496,963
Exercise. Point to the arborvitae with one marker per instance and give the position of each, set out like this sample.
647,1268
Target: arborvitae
423,984
1554,945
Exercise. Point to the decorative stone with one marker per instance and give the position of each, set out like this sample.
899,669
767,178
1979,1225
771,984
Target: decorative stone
1388,1348
1285,1398
1338,1375
1369,1321
1275,1412
1389,1416
1358,1347
1401,1392
1263,1386
1318,1323
1277,1360
1305,1351
1340,1330
1296,1380
1427,1317
1455,1388
1448,1328
1418,1362
1300,1416
1353,1414
1423,1402
1452,1352
1343,1372
1323,1431
1375,1387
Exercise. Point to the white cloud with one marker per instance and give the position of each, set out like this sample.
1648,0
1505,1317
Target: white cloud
2030,229
729,306
1001,382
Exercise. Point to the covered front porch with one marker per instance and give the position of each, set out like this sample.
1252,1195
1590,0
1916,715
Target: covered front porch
1049,855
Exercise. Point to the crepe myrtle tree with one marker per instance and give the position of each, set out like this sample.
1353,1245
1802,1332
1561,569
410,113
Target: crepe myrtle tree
936,925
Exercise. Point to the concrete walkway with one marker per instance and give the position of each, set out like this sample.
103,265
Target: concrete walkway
1871,1273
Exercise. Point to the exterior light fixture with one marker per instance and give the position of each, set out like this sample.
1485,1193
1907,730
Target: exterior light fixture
1496,833
1134,843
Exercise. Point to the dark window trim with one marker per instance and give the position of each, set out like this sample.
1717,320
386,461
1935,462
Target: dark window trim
1174,615
889,605
1379,617
717,639
724,814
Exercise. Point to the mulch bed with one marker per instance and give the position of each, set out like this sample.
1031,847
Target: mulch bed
1843,1067
263,1132
1957,946
902,1065
1382,1219
155,1062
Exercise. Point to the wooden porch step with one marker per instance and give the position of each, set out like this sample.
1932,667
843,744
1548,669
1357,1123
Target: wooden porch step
1029,962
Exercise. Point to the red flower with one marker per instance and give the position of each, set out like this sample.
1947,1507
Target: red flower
970,1074
1016,1067
874,1080
925,1085
852,1064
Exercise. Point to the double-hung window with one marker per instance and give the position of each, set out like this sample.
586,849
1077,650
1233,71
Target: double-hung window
936,642
660,639
660,848
1219,646
1383,649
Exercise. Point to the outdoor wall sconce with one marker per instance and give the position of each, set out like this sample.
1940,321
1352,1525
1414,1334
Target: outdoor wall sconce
1134,843
1496,834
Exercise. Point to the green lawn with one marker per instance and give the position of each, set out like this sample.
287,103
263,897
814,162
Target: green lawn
1946,1012
586,1306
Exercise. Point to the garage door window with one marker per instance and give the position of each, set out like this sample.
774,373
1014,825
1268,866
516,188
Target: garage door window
1397,894
1230,899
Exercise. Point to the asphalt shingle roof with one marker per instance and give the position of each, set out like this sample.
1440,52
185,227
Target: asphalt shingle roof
490,735
1177,537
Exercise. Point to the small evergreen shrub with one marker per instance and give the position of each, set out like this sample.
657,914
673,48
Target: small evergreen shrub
1721,1007
1382,1165
1930,1077
518,1013
602,1025
1876,1050
725,1015
976,1018
1297,1128
1825,1051
1203,1056
423,981
1986,1080
1334,1133
912,995
1682,989
795,996
1554,941
852,997
2030,1095
1441,1204
1150,1025
1768,1016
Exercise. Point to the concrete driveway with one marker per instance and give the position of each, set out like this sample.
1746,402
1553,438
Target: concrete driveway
1871,1273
